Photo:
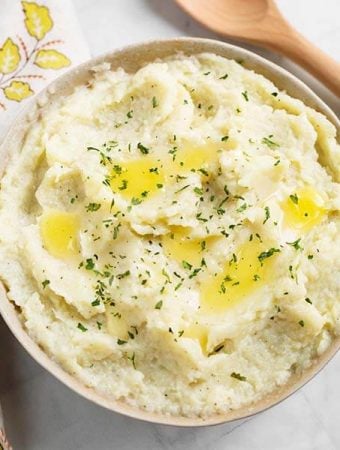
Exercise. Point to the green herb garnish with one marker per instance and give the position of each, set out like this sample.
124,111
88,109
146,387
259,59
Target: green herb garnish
245,95
81,327
269,142
238,376
123,186
89,264
45,283
132,359
159,305
154,102
242,207
182,189
143,149
116,231
125,274
93,207
267,214
194,273
295,244
186,265
135,201
294,198
117,169
267,254
198,191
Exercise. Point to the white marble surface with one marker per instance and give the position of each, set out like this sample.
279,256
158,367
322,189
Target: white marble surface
42,414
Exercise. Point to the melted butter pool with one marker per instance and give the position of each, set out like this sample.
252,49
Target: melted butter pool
59,232
145,176
303,209
179,246
142,177
192,158
240,276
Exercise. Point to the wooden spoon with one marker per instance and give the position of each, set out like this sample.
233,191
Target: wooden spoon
260,22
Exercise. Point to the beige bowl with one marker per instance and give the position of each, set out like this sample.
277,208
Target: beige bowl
132,58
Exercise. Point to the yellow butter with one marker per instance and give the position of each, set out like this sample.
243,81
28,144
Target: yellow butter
59,232
303,209
240,276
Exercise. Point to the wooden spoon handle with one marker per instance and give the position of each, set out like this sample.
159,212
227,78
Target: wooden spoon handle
311,58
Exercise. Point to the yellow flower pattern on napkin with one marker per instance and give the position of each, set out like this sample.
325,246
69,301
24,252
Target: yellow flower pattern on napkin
16,56
37,20
9,57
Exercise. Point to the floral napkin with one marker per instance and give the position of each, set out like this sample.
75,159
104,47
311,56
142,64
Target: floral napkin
38,42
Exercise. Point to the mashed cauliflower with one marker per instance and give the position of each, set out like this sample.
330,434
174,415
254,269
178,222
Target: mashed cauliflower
171,237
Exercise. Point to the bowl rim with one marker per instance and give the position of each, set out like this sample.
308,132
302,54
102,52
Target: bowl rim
65,84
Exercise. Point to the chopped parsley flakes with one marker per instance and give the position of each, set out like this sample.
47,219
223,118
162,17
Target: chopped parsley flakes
154,102
238,376
294,198
245,95
296,244
81,327
93,207
267,214
186,265
269,142
144,150
89,264
135,201
267,254
45,283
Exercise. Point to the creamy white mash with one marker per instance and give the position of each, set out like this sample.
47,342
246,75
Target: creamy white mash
171,237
